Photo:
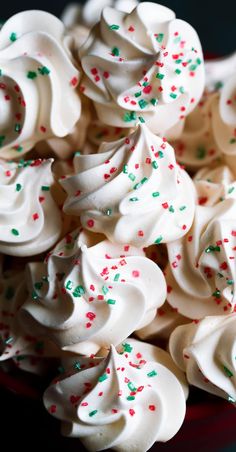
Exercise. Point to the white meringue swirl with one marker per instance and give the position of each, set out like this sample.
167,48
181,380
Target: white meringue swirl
145,63
88,295
118,402
27,208
130,190
37,83
201,274
206,352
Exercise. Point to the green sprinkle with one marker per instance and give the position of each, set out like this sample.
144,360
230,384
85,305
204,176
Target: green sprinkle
154,164
133,115
127,347
79,290
141,119
232,141
178,61
8,340
230,282
201,153
193,67
155,194
130,398
160,76
181,89
18,187
212,248
178,71
31,75
228,372
105,290
145,83
45,188
144,180
110,301
34,295
132,177
115,51
160,37
171,209
182,208
218,85
114,27
138,94
131,386
92,413
108,212
44,70
160,154
116,277
19,148
69,285
77,365
153,373
78,153
158,240
216,294
125,169
198,61
17,127
133,199
38,285
142,103
231,189
136,186
102,378
173,95
13,37
154,101
10,292
15,232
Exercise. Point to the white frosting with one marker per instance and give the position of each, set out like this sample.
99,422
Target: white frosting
89,295
219,70
197,146
66,146
214,185
201,274
165,321
206,352
143,64
37,83
27,208
123,402
224,122
130,190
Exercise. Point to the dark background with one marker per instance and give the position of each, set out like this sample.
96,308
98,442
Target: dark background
215,21
24,424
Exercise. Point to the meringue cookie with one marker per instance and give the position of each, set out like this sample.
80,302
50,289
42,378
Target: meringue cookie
36,78
131,190
224,122
27,208
214,185
127,405
165,321
219,70
197,146
206,352
145,63
201,273
82,293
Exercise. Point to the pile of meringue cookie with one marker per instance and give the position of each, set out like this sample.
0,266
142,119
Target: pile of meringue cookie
117,217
